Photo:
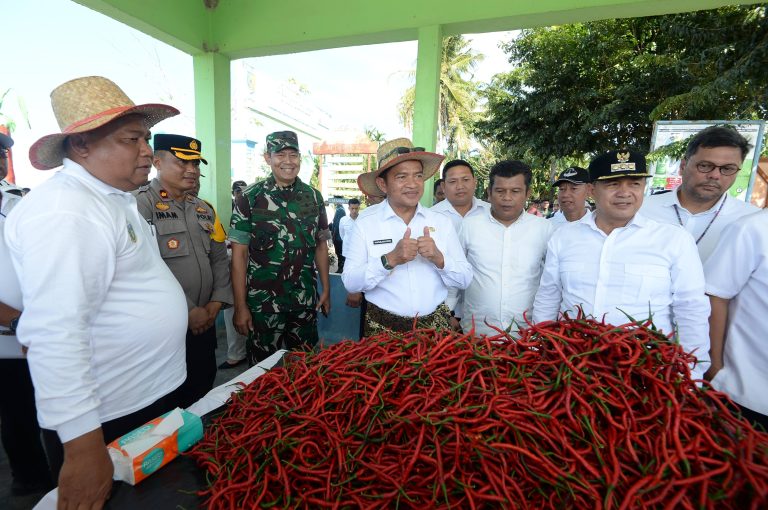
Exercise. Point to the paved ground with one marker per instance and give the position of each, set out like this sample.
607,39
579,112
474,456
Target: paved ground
8,502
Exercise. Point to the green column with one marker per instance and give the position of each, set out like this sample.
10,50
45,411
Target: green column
213,128
427,102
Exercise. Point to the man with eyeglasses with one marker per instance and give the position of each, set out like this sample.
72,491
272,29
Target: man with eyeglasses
701,203
279,233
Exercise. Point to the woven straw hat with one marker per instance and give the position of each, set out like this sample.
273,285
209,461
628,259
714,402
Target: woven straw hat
390,154
84,104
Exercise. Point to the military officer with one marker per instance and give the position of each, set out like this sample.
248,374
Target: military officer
279,235
190,245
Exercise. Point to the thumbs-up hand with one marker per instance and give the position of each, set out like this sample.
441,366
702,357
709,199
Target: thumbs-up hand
428,249
405,250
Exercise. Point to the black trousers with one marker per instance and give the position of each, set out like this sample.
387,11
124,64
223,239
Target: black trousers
201,367
111,429
18,423
337,246
755,417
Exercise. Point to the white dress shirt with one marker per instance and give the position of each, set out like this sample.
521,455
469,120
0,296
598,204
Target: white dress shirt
455,299
416,287
645,267
738,270
444,207
507,264
662,209
558,219
104,318
345,224
10,292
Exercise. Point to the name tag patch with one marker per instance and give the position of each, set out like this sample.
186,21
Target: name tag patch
382,241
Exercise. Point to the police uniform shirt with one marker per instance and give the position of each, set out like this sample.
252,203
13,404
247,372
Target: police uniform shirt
184,233
738,271
104,319
662,209
640,268
416,287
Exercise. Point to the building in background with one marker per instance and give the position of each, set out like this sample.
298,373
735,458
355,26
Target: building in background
342,157
260,106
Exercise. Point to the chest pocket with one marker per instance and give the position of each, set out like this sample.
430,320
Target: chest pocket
172,238
571,274
644,281
264,235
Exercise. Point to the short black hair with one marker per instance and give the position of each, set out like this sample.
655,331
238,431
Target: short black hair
510,168
438,182
353,201
238,184
457,162
720,135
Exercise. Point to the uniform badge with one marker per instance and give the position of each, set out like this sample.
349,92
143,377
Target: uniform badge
131,233
201,210
208,227
163,194
623,164
172,243
193,145
431,229
162,207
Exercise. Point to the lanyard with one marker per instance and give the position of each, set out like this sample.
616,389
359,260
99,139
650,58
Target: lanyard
717,213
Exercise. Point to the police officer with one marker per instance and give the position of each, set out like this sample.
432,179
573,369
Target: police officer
279,233
192,248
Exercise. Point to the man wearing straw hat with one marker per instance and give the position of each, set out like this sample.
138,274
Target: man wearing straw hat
104,318
402,255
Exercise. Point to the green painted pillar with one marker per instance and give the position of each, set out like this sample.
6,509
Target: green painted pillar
213,125
427,102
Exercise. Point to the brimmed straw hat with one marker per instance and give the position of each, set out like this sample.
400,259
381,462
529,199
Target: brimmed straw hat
390,154
84,104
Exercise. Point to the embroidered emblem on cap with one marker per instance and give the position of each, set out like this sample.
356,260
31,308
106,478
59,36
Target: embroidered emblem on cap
131,233
569,173
193,145
173,243
162,207
623,163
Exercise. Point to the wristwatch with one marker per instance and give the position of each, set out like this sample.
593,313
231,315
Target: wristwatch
386,264
14,324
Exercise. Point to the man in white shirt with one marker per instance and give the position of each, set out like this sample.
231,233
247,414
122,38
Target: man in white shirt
701,203
616,263
404,256
505,247
459,184
737,283
572,187
104,318
346,222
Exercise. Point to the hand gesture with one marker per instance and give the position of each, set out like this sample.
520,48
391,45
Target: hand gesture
428,249
405,250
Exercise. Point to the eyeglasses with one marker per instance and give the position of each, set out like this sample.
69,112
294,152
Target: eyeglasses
402,150
706,167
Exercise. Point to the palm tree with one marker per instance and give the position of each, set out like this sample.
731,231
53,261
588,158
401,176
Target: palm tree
458,95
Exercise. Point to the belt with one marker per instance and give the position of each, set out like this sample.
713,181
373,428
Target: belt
378,320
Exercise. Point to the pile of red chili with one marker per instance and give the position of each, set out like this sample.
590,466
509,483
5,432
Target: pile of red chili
574,414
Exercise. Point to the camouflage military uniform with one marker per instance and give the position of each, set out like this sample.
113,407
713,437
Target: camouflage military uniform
282,227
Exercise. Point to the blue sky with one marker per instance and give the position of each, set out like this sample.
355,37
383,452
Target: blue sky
48,42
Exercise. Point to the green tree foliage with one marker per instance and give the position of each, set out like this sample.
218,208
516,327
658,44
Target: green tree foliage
459,95
590,87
